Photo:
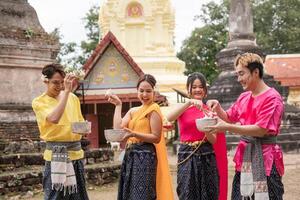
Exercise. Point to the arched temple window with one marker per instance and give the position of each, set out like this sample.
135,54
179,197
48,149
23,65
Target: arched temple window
134,10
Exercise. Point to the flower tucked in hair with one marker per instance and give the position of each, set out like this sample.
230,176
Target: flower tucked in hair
44,78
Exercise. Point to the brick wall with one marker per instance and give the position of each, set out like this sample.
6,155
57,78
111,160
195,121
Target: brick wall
18,130
23,172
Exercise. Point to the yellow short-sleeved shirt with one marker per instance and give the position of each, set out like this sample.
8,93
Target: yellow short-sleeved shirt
60,132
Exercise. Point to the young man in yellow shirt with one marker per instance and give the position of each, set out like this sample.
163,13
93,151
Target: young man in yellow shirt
56,109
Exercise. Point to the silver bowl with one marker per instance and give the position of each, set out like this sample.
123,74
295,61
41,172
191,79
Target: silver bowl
81,127
114,135
202,123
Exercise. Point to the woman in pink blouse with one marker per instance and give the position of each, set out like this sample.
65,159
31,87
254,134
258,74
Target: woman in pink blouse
259,162
202,156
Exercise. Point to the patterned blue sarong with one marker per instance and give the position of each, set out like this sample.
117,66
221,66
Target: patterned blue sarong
198,177
138,173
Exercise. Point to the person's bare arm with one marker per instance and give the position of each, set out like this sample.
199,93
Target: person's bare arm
173,115
211,137
118,121
249,130
156,129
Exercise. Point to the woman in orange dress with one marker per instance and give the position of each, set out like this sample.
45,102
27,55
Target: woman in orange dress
145,170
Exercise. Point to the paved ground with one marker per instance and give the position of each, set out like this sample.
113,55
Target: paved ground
291,180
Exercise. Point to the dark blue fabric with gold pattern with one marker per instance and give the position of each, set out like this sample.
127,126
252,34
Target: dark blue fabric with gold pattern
138,173
197,178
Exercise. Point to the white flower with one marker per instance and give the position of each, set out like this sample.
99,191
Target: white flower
79,73
44,78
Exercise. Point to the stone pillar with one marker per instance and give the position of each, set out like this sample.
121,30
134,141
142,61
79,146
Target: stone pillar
241,40
226,87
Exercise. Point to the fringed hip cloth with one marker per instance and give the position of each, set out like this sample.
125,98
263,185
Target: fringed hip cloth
50,194
197,177
138,173
275,186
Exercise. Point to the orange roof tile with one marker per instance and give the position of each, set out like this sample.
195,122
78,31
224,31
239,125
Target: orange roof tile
284,68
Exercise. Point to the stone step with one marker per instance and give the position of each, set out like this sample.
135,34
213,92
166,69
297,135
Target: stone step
25,179
99,174
12,161
29,145
292,136
286,146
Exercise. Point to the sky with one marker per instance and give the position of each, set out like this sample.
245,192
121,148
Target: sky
67,15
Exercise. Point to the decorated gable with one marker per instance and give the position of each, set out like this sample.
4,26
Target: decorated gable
111,71
110,67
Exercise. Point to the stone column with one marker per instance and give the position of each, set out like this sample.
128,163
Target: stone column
241,40
226,88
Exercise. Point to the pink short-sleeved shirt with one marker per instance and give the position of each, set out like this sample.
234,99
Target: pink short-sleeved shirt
265,111
187,125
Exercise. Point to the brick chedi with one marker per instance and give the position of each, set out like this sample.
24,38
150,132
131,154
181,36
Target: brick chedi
24,49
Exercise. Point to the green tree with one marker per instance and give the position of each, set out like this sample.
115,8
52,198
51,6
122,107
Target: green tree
276,25
93,32
73,55
199,50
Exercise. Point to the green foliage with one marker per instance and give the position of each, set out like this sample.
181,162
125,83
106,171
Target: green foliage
55,34
29,33
91,25
72,55
276,25
199,50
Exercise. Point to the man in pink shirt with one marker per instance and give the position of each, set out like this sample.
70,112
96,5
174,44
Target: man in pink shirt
256,116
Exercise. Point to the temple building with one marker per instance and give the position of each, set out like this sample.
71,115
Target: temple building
110,67
146,30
